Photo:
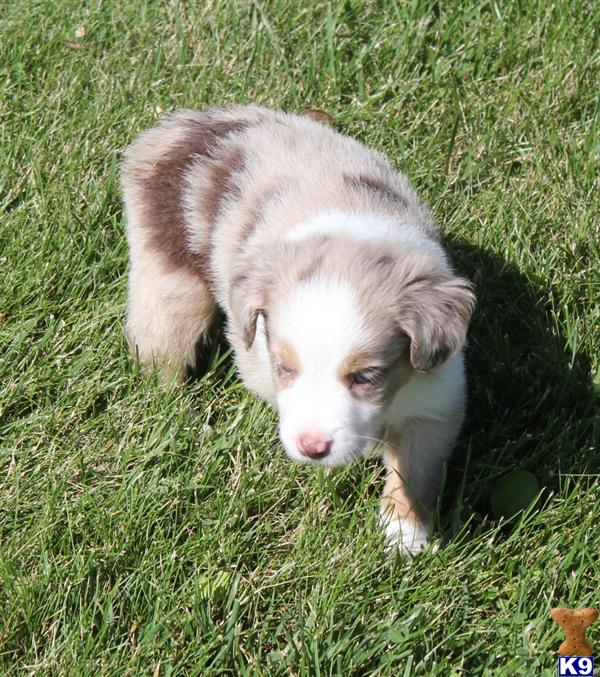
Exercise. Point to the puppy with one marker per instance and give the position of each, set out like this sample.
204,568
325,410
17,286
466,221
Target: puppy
341,305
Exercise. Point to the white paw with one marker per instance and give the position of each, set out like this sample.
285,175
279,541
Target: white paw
406,535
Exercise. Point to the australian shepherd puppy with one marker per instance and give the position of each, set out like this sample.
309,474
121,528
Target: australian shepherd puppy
341,306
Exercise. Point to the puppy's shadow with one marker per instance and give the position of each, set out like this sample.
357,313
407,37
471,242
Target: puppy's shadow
531,400
213,353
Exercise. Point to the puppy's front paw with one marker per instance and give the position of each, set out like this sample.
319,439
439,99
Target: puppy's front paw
406,535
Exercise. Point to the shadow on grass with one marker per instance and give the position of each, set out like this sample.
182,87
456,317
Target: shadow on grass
212,353
531,401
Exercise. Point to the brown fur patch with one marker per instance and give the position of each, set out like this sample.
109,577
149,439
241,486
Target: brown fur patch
162,184
283,354
370,184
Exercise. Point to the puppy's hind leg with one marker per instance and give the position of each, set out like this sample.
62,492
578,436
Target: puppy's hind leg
169,304
168,312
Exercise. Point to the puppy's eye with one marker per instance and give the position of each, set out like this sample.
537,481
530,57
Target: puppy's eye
285,369
361,378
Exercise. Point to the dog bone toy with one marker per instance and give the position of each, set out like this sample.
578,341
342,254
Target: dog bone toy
574,622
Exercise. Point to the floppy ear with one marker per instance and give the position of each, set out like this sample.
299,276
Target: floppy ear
434,312
247,300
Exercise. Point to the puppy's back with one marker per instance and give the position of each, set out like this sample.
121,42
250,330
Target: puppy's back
203,189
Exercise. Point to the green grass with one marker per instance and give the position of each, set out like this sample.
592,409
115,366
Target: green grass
162,532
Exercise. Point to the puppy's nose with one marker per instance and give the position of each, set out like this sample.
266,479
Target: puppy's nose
314,447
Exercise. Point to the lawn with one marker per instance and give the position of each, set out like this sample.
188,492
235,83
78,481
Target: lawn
161,531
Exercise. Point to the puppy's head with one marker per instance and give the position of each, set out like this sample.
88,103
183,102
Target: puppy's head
346,326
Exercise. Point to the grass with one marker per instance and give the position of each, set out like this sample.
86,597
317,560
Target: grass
161,531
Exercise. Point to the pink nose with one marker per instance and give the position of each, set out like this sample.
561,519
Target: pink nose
313,447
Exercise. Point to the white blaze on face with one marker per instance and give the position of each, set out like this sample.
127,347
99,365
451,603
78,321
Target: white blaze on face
322,323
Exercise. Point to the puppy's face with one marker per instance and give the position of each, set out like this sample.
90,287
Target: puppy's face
335,368
345,328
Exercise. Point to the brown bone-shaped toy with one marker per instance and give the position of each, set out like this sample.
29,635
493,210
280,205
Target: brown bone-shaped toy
575,622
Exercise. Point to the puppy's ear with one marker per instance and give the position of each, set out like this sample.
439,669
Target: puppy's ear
247,300
434,311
